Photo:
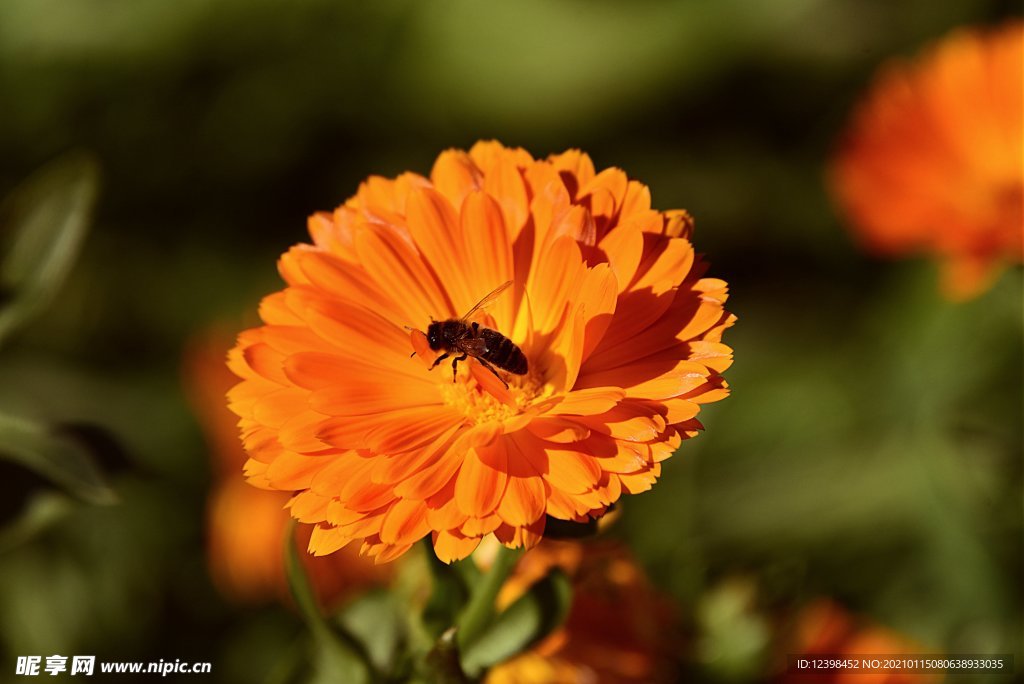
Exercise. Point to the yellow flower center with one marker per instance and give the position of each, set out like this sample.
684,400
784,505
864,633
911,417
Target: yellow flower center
480,406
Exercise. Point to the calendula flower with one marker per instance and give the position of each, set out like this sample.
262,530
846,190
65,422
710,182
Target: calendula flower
619,629
932,160
618,328
249,566
824,628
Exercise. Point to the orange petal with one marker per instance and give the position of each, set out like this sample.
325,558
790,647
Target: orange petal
589,401
555,283
666,264
524,501
713,355
371,392
504,183
370,497
326,539
346,283
566,469
396,466
390,260
455,176
487,252
434,226
599,296
479,527
635,483
342,476
274,408
636,201
558,429
634,313
430,479
452,546
550,203
651,379
405,523
267,362
526,536
389,553
447,516
294,471
351,331
390,432
572,506
298,433
274,311
624,247
679,410
576,169
629,420
628,457
309,507
481,481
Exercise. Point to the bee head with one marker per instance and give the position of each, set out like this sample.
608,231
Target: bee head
434,335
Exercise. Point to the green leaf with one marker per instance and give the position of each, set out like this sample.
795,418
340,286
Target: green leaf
42,225
734,637
60,459
375,620
535,615
337,658
43,510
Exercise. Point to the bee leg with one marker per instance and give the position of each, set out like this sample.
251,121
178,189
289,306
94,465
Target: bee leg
491,368
455,366
438,360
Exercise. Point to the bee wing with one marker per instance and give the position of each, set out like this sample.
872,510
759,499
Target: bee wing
474,346
488,299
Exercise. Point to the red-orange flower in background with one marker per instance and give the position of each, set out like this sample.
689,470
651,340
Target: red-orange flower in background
609,305
249,565
933,159
618,631
824,628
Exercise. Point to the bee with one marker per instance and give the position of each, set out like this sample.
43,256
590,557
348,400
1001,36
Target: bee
489,347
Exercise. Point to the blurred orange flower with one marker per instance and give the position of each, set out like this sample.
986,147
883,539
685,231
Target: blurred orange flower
249,567
619,327
933,158
617,632
825,628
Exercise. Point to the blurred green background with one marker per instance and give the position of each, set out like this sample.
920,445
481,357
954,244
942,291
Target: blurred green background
872,448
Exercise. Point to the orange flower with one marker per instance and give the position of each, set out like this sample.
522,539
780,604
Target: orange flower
826,629
250,566
932,161
620,331
617,632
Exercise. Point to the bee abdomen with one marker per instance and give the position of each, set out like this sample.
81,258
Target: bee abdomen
503,352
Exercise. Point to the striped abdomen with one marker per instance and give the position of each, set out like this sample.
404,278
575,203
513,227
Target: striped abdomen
503,352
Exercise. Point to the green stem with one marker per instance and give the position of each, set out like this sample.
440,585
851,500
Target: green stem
301,589
480,609
345,655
